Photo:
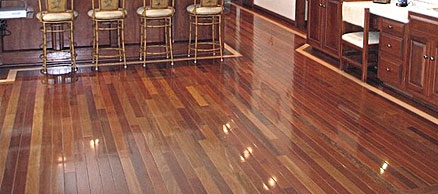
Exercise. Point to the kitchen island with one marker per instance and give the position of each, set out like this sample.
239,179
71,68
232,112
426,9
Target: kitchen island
408,45
22,44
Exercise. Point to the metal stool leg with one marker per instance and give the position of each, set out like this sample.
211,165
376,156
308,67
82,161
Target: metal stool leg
141,40
72,46
96,31
118,41
123,44
44,70
93,52
221,44
213,34
166,37
196,39
145,31
171,41
190,36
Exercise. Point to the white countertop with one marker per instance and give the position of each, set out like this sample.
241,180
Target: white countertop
391,11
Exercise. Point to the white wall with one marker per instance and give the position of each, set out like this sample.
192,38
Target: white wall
285,8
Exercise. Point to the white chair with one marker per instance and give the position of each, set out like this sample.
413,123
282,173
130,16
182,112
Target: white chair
362,41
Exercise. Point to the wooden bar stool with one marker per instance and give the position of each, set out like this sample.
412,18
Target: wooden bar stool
57,19
157,15
207,13
109,16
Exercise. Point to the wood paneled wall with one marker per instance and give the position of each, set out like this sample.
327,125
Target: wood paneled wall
25,34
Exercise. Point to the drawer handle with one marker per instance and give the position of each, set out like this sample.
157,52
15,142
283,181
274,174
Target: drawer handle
425,57
389,45
388,69
432,58
390,27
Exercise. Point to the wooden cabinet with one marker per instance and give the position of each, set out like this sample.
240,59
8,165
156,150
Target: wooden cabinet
314,24
434,74
422,53
417,64
391,52
323,25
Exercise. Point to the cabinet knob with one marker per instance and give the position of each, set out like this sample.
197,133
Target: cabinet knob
389,45
425,57
388,69
323,5
432,58
390,27
320,4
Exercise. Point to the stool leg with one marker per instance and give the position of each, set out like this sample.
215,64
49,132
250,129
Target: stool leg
190,36
61,36
118,41
196,38
171,41
93,52
72,46
123,44
141,40
221,44
213,34
96,31
145,32
44,70
166,37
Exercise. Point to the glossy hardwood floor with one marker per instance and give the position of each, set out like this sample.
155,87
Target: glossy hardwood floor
270,121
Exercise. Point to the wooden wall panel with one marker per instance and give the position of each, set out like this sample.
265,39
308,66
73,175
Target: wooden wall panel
25,33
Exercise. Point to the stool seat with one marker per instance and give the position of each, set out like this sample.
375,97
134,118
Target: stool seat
106,15
356,38
56,17
204,10
155,13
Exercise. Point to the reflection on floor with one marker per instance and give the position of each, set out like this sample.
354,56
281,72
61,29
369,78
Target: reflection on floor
270,121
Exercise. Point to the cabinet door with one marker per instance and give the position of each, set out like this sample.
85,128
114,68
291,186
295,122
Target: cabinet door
433,76
314,23
332,26
418,60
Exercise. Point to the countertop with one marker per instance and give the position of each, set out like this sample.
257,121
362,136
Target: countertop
390,11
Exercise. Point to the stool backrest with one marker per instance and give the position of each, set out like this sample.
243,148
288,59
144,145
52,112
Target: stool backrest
54,6
160,4
210,3
108,5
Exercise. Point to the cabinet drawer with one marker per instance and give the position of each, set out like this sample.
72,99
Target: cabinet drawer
391,44
425,25
392,27
389,70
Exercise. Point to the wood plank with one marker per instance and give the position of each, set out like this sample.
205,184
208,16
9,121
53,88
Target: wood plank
195,94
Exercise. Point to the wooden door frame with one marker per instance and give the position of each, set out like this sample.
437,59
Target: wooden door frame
300,14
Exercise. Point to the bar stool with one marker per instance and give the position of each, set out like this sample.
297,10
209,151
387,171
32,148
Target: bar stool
207,13
54,16
108,14
157,15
